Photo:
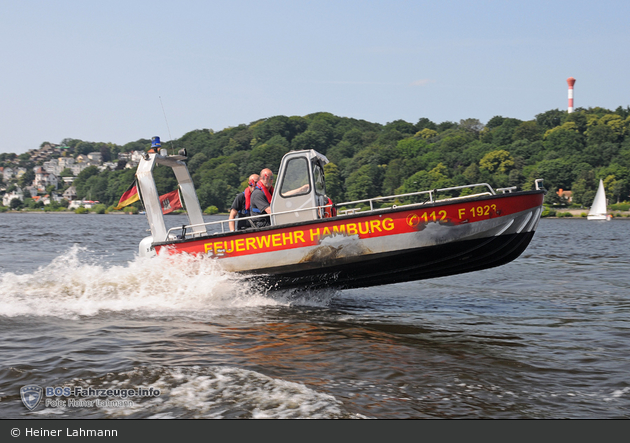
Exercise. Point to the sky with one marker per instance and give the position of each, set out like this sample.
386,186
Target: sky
119,71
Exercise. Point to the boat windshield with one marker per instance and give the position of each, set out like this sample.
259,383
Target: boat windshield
295,177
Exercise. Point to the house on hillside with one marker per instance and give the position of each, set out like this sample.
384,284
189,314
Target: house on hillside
76,168
567,196
7,174
20,172
95,157
44,179
57,165
88,204
30,191
70,193
7,197
110,165
47,199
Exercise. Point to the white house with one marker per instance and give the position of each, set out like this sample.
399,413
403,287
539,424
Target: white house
96,158
7,174
78,167
44,179
57,165
88,204
70,193
7,197
47,199
110,165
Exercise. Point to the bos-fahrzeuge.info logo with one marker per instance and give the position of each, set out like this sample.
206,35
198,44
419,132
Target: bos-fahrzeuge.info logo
81,397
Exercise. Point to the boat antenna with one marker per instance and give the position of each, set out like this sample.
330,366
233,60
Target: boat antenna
166,120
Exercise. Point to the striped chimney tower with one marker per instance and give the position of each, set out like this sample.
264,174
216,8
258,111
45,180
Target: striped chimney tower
571,82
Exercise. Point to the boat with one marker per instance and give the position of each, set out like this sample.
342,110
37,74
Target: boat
313,244
598,209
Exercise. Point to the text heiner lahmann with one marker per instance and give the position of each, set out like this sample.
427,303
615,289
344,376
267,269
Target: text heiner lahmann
32,432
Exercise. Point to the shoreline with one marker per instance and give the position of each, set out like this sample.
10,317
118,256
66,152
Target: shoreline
94,213
576,214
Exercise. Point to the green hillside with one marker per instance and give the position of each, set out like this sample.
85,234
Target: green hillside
569,151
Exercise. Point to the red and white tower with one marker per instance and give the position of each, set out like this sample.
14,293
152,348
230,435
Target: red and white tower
571,82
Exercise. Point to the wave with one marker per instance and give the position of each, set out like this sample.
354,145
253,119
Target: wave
75,284
213,392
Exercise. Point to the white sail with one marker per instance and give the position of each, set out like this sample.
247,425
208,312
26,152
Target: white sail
598,209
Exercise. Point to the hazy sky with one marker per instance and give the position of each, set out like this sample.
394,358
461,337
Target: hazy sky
111,71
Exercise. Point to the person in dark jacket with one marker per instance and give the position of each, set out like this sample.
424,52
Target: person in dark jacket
261,198
241,207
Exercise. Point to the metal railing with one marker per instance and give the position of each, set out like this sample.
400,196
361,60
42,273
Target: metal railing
234,220
430,194
371,201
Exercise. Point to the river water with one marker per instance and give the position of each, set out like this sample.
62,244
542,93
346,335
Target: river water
546,336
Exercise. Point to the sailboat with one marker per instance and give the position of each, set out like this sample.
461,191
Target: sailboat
598,209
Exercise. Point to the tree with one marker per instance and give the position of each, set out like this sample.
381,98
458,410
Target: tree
15,203
556,173
216,193
363,183
80,183
599,134
424,181
552,197
401,126
334,184
446,125
500,161
426,133
411,147
310,140
529,131
106,153
579,120
583,192
495,122
27,178
503,135
425,123
268,155
564,142
471,124
550,119
196,161
394,176
286,127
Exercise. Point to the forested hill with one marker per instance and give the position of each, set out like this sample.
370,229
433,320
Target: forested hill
569,151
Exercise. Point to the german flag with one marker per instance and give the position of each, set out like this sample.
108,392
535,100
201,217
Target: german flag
129,196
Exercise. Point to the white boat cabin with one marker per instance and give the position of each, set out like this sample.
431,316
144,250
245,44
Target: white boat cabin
299,192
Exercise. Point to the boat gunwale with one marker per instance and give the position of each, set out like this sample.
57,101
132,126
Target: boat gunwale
345,217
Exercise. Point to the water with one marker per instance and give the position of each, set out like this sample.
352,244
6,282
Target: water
546,336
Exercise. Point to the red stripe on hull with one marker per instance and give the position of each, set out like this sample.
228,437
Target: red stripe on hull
371,225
